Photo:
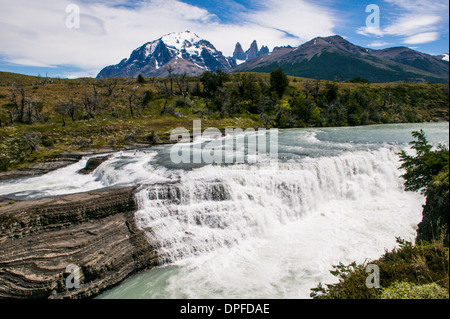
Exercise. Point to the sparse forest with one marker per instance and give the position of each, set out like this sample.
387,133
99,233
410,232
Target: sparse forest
41,117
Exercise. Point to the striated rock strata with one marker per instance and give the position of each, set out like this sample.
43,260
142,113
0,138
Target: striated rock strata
95,231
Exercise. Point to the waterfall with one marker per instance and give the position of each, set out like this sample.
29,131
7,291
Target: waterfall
221,206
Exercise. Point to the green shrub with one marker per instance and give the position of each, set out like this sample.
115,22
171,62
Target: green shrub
4,164
417,265
405,290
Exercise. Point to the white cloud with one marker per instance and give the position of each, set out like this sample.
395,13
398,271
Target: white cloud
34,32
378,44
411,24
81,74
371,31
299,18
422,38
415,21
29,62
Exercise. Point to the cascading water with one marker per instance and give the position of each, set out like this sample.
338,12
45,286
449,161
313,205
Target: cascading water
215,207
255,230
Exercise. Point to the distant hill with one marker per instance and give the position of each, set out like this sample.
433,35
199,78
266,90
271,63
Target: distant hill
334,57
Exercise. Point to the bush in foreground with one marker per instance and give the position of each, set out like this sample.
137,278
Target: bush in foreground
417,266
405,290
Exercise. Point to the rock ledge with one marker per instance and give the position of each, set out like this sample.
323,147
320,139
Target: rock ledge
94,231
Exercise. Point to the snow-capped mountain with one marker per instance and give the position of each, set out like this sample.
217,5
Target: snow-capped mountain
184,52
444,57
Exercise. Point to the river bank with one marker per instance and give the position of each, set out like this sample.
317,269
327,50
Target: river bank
94,231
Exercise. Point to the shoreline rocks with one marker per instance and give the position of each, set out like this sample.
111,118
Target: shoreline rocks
94,231
92,164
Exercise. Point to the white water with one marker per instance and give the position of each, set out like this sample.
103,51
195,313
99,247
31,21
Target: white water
252,231
215,207
274,234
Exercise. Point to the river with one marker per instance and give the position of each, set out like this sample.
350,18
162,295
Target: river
258,230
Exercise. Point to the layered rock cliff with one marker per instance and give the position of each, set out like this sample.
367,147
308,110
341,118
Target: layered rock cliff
94,231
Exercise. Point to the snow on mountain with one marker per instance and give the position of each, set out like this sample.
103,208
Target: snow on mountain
185,52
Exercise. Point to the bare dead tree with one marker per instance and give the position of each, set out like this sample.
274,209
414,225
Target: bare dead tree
110,85
88,105
68,108
183,85
170,69
19,101
163,88
96,99
32,141
72,107
131,98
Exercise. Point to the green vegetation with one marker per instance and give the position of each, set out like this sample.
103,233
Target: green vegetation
405,290
42,117
409,272
423,167
423,268
278,82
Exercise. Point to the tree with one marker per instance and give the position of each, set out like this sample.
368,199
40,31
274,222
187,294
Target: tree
32,141
425,165
140,79
110,85
170,69
428,172
146,98
131,98
213,81
19,101
68,107
331,92
183,85
278,82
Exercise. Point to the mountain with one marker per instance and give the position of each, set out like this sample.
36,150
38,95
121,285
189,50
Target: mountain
444,57
253,52
185,52
239,53
328,58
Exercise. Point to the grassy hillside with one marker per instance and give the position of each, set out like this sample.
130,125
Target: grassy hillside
42,117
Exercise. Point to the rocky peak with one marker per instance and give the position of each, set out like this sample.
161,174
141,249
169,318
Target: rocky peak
264,50
253,51
239,53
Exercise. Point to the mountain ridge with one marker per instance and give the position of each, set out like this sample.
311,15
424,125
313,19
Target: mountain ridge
325,58
345,60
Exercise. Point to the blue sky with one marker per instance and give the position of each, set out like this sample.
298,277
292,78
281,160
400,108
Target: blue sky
35,38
